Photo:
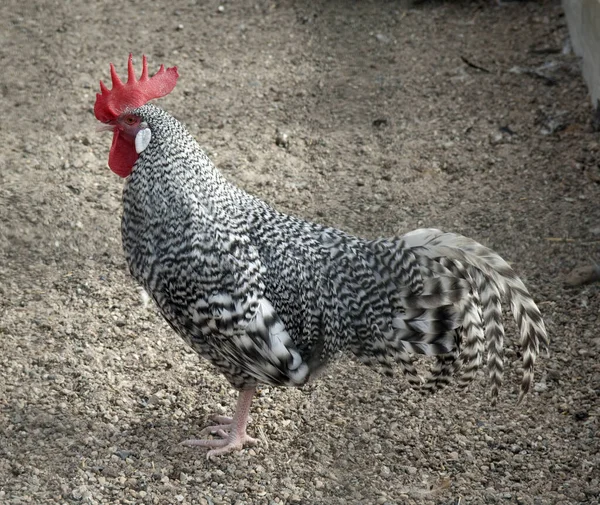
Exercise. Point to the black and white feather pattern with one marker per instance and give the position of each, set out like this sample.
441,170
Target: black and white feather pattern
270,298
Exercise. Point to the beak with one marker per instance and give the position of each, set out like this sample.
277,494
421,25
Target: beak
105,127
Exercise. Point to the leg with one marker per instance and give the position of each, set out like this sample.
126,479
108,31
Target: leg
231,430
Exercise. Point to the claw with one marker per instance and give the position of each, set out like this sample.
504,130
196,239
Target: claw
223,419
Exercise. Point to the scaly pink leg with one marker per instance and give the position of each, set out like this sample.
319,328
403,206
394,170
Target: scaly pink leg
231,430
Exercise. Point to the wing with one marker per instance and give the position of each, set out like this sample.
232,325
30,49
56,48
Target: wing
265,350
213,295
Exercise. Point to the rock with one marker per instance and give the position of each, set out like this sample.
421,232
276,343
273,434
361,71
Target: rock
496,138
81,493
110,472
583,275
554,374
282,139
125,454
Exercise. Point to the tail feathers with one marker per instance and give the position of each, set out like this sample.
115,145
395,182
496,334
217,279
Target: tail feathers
466,358
445,366
429,320
472,330
489,278
408,368
473,339
494,331
382,361
436,292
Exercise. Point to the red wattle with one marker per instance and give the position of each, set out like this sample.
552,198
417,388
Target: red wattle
122,155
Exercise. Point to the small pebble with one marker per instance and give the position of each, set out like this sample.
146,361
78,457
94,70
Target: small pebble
282,139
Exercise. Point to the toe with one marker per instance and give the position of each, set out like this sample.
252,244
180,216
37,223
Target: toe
196,442
222,419
225,449
215,430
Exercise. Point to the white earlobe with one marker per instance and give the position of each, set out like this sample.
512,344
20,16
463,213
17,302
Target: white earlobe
142,139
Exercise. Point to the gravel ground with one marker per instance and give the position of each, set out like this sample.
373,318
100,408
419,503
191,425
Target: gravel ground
467,116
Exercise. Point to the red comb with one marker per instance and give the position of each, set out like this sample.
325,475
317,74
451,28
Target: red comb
110,104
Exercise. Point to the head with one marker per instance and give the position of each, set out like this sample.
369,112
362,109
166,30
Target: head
116,109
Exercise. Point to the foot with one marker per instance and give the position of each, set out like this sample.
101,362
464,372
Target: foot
229,440
232,431
223,422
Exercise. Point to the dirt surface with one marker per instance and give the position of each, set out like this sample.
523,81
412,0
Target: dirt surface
465,116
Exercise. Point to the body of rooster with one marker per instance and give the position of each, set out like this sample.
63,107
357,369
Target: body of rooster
271,299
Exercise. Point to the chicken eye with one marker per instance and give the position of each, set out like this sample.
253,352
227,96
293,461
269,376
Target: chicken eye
130,120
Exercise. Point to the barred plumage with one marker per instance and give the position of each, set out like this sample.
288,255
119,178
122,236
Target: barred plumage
272,299
493,278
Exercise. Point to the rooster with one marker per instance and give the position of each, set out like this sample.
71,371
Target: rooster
268,298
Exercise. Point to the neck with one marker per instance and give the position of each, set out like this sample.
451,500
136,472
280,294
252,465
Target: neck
173,166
